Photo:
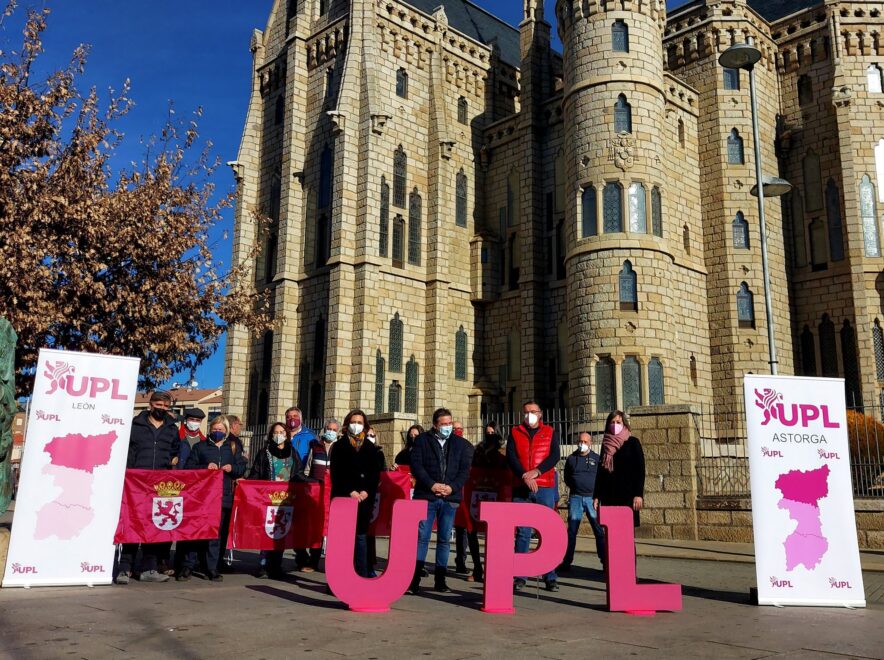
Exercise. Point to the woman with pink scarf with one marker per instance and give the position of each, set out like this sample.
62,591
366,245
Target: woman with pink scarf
621,477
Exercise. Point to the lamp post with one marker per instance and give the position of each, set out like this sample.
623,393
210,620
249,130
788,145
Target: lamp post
746,56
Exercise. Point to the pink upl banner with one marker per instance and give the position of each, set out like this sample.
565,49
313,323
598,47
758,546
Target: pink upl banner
170,505
484,485
273,515
393,486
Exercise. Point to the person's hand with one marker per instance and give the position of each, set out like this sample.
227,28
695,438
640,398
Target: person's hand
532,484
532,474
595,503
175,461
363,496
355,495
213,466
637,503
446,490
437,489
227,468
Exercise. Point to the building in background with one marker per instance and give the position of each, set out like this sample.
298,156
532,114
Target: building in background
459,214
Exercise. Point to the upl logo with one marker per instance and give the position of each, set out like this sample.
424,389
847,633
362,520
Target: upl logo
795,414
61,377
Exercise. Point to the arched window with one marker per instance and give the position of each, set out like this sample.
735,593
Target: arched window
833,215
400,177
732,79
396,326
461,200
319,341
589,212
692,369
741,232
656,212
628,287
745,307
813,184
878,343
460,354
414,228
323,7
818,257
793,217
267,356
384,229
686,239
398,241
379,375
656,391
735,148
681,134
270,254
849,363
462,108
512,200
612,205
828,350
808,353
638,211
326,167
805,90
873,77
402,83
279,113
329,82
868,212
631,375
275,197
620,37
411,386
323,240
622,115
394,399
605,386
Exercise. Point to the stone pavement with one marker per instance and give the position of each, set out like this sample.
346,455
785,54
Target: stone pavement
281,619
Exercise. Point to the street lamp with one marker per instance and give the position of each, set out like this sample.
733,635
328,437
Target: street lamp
746,56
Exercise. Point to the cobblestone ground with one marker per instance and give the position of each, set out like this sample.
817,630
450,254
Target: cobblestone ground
278,619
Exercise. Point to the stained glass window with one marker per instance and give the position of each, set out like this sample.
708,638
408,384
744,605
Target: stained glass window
267,356
628,287
325,177
461,200
622,115
620,37
833,214
384,229
631,374
605,386
638,212
400,177
813,185
402,83
656,212
414,228
612,204
732,79
460,355
379,375
462,110
394,399
323,238
411,386
589,212
878,342
396,326
818,256
793,217
656,391
745,307
741,232
398,241
868,213
735,148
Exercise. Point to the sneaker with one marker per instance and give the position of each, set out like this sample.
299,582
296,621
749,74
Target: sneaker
552,585
262,573
122,578
461,570
518,584
183,575
153,576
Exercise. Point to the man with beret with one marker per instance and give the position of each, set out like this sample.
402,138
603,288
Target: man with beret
189,433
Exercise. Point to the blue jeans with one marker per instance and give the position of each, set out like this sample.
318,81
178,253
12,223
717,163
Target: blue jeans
577,506
546,497
443,513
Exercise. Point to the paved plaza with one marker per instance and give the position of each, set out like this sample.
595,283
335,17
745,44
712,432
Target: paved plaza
247,617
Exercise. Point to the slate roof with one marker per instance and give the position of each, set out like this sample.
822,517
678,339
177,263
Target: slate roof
772,10
478,24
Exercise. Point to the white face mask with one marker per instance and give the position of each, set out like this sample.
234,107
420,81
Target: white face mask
279,438
355,428
584,448
192,425
373,439
532,419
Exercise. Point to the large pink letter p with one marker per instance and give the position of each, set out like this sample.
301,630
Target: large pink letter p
375,594
503,563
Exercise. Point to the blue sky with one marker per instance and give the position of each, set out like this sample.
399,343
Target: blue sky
194,52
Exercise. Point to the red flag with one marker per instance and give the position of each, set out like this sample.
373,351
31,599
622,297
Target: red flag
269,515
393,486
170,505
484,485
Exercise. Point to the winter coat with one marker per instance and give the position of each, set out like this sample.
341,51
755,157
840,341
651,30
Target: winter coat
262,468
627,481
432,463
204,453
152,448
356,470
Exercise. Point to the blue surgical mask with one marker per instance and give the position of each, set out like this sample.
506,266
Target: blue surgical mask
330,435
217,436
446,430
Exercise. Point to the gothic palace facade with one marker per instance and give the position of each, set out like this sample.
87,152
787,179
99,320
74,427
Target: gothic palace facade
460,215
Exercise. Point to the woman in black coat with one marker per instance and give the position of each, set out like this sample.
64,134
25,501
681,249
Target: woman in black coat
355,473
621,477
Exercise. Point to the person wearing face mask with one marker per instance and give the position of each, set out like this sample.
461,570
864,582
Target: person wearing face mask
581,468
621,477
404,456
355,474
189,434
153,445
275,462
532,452
440,465
219,452
300,435
317,468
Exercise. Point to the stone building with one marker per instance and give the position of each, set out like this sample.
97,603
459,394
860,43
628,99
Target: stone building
458,214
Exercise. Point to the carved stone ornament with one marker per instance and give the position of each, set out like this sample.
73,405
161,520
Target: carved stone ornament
338,119
378,123
446,147
621,151
841,97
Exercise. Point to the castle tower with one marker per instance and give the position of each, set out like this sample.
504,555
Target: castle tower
635,267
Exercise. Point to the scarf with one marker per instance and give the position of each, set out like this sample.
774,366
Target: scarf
192,438
610,444
356,440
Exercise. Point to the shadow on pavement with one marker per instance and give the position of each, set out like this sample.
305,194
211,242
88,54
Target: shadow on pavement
297,597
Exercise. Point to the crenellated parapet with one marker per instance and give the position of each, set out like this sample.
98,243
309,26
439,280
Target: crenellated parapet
570,12
328,44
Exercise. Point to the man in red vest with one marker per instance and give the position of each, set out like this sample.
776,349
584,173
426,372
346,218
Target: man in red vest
532,451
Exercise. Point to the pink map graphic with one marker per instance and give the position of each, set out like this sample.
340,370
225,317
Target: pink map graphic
802,491
72,461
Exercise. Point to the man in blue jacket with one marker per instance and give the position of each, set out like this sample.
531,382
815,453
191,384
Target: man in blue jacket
440,466
581,468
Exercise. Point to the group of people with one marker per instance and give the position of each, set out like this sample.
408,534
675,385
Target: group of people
439,459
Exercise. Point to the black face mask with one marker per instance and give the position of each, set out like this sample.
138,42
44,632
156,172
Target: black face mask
158,414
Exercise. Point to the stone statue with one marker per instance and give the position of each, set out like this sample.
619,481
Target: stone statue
8,408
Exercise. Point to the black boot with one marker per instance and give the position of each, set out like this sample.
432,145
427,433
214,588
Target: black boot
415,586
440,584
